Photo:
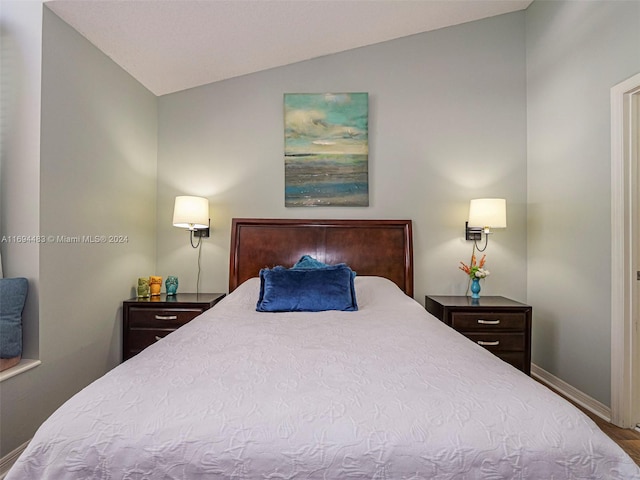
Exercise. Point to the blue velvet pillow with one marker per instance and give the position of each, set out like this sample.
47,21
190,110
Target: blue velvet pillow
307,289
307,261
13,293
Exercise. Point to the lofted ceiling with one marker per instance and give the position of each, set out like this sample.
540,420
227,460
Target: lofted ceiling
173,45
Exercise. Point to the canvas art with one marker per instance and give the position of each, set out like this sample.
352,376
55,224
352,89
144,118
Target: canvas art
326,149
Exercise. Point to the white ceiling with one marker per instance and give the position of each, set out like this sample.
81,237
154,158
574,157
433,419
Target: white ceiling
172,45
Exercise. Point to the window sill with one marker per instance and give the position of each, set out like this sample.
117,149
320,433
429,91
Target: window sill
24,365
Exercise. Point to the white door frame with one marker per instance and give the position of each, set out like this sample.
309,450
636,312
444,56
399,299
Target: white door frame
625,254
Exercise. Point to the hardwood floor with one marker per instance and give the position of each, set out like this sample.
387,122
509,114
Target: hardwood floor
628,439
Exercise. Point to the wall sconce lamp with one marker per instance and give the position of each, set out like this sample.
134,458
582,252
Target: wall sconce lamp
192,213
485,214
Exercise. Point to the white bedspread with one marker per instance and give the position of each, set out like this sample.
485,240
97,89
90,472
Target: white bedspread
387,392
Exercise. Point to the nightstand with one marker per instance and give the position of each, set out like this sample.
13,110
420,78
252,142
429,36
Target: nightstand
500,325
147,320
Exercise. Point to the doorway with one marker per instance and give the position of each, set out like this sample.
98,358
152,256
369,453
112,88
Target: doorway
635,210
625,253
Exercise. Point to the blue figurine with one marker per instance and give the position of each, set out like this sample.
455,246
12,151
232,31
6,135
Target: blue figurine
172,285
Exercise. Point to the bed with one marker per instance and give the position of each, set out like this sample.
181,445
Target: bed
384,391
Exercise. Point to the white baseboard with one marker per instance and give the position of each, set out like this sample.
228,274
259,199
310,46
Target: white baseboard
572,393
10,458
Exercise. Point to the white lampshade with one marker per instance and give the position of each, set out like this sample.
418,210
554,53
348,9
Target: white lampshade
488,213
191,212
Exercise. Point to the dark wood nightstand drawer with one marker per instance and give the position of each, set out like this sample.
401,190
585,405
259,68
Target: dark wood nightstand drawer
163,318
500,325
141,339
465,321
499,342
146,320
514,358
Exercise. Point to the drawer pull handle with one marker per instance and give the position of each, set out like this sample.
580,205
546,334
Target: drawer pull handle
488,322
166,317
158,338
489,344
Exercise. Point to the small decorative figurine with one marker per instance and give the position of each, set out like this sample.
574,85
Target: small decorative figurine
155,284
143,287
172,285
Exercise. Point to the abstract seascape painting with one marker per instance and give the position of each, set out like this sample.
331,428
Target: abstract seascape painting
326,153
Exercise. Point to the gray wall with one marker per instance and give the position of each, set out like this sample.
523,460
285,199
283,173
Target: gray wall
21,52
576,51
97,177
21,49
446,124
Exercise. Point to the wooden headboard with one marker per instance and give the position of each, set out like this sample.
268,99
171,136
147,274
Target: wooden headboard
370,247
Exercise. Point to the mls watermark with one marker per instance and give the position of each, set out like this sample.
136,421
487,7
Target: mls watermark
64,239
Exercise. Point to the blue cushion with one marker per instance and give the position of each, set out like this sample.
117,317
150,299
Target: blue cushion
13,293
307,261
307,289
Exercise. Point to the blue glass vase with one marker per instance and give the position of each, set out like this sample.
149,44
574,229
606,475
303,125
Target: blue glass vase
475,288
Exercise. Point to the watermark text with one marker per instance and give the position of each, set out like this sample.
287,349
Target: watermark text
64,239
